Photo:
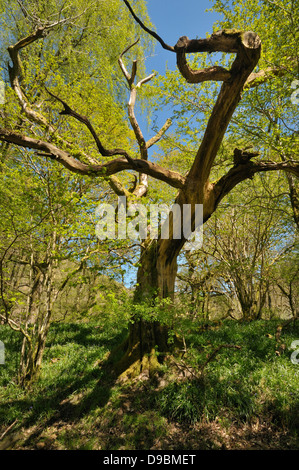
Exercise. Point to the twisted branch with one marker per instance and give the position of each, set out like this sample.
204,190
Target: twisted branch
243,171
103,150
112,167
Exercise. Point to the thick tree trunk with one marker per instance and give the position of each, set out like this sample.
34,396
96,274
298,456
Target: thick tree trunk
156,279
147,342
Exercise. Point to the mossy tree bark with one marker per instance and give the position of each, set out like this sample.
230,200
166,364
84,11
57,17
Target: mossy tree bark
148,340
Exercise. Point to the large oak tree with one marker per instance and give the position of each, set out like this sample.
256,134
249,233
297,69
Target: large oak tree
158,258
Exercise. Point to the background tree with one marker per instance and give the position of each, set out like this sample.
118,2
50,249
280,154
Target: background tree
246,243
286,277
47,239
44,235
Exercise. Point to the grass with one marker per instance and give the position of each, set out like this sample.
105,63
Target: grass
240,398
241,383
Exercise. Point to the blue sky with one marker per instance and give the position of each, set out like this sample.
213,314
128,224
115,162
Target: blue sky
175,18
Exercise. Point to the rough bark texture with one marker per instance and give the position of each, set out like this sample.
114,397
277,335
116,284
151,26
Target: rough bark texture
146,339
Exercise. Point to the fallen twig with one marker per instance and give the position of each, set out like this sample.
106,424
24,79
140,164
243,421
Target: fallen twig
8,429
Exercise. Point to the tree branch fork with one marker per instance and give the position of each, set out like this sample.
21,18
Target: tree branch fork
246,46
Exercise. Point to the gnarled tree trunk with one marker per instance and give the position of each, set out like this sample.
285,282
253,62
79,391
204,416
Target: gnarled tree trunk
147,341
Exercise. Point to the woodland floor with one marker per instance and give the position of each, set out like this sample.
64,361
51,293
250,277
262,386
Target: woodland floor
243,399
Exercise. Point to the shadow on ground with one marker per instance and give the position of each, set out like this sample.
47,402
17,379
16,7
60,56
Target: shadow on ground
96,410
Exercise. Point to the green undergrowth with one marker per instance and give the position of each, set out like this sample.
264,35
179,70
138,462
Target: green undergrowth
236,371
232,374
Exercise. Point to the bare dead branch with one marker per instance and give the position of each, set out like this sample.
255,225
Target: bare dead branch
140,189
131,104
135,126
145,28
130,78
145,80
